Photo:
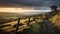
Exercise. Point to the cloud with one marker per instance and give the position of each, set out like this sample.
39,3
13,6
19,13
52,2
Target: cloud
37,3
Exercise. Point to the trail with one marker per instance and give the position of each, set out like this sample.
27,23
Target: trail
47,27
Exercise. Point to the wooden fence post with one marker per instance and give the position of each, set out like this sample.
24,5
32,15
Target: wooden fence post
17,27
29,20
34,17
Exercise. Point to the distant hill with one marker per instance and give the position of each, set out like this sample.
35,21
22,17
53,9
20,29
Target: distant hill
7,17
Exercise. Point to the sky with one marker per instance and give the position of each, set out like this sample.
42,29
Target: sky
40,3
45,4
27,4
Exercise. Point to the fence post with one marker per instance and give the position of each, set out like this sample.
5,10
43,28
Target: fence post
29,20
34,17
17,27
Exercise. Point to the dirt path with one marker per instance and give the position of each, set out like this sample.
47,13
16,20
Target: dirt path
47,27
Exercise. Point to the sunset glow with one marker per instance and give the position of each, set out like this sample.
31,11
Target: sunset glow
14,9
23,10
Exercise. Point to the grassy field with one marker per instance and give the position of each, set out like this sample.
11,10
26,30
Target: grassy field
10,21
